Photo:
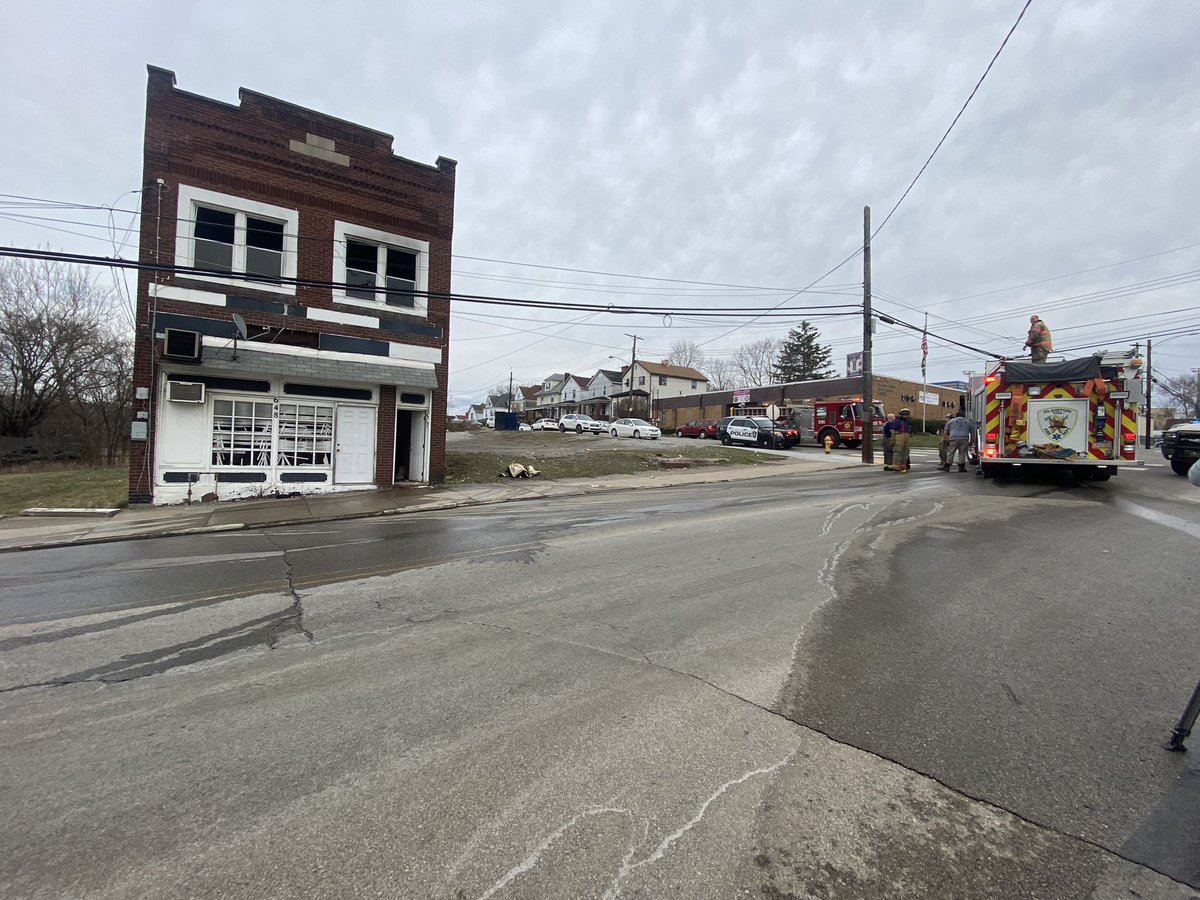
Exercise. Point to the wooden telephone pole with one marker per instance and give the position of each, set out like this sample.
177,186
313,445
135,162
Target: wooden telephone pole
868,401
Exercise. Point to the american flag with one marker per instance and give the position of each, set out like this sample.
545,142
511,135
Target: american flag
924,352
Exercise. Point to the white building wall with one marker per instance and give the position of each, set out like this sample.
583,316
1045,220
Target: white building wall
185,438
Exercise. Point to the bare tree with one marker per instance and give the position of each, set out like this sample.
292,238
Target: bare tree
754,363
500,395
102,399
61,350
1185,390
720,374
686,353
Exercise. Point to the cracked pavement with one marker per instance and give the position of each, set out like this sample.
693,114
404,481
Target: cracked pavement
535,722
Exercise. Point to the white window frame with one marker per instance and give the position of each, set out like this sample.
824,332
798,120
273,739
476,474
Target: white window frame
257,446
344,230
314,434
185,247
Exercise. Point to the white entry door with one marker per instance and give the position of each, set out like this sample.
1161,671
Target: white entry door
354,456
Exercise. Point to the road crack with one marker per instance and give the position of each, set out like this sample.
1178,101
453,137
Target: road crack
293,622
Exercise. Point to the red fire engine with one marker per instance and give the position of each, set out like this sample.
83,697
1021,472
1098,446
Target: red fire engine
1076,413
839,420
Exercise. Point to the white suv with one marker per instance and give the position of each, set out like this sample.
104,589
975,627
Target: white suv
579,423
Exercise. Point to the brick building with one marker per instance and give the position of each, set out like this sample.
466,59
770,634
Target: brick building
309,353
776,399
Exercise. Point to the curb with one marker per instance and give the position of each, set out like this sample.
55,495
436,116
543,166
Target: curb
431,506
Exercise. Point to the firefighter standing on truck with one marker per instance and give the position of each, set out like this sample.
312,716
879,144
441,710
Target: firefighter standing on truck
1038,341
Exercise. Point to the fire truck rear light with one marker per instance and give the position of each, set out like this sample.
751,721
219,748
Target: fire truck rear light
1130,437
991,437
989,379
989,451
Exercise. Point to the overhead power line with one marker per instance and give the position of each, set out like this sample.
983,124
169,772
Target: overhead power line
48,204
111,262
970,97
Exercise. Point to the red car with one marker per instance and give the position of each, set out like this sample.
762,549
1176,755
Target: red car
698,428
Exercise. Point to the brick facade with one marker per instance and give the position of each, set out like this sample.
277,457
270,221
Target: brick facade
324,169
893,393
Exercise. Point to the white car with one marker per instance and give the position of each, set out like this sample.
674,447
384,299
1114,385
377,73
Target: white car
524,426
638,428
545,425
579,423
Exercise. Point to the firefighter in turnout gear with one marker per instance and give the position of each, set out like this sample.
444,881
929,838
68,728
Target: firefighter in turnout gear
901,442
1038,340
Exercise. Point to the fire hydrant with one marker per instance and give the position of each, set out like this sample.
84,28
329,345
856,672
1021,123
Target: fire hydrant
828,443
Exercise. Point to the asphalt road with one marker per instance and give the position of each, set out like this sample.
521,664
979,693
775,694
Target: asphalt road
839,685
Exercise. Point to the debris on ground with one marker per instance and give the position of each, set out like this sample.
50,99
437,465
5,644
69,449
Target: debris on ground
516,470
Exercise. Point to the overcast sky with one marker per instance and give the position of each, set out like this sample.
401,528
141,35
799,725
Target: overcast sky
713,142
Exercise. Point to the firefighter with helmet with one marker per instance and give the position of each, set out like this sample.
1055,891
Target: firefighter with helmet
1038,340
901,442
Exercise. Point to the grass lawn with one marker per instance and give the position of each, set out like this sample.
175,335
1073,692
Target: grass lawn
91,488
463,467
69,486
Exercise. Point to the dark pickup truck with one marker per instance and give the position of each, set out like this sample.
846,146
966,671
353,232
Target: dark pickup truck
1181,445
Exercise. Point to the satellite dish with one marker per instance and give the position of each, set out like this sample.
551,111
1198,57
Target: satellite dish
240,324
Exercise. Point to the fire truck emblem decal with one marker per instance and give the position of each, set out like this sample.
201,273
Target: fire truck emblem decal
1057,422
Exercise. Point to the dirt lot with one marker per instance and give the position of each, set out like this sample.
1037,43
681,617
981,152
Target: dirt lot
554,443
480,454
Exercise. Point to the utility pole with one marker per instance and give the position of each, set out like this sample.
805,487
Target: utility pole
510,396
868,438
924,383
1149,405
632,363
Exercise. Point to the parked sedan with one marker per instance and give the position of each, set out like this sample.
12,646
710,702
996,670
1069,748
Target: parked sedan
545,425
579,423
637,428
524,426
698,428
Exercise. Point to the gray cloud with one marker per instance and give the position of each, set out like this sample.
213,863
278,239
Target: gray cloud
702,141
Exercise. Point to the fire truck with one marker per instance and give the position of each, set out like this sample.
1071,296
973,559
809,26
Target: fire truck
1080,414
839,420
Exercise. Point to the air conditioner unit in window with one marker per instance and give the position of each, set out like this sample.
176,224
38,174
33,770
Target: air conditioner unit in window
179,344
185,391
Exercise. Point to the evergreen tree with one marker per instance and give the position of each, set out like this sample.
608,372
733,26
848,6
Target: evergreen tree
802,358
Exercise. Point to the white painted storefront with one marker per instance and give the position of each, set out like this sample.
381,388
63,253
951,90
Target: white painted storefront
241,434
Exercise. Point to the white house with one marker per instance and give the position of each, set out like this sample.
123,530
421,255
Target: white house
661,380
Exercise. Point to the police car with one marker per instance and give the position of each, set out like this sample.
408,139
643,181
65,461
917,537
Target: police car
757,430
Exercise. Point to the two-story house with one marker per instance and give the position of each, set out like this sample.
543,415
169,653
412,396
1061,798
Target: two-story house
574,389
527,398
549,398
496,403
597,397
651,382
293,317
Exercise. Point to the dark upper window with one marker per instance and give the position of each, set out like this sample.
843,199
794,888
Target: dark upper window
226,241
370,267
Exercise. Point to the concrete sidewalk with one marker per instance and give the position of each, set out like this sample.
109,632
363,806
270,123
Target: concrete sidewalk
27,532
